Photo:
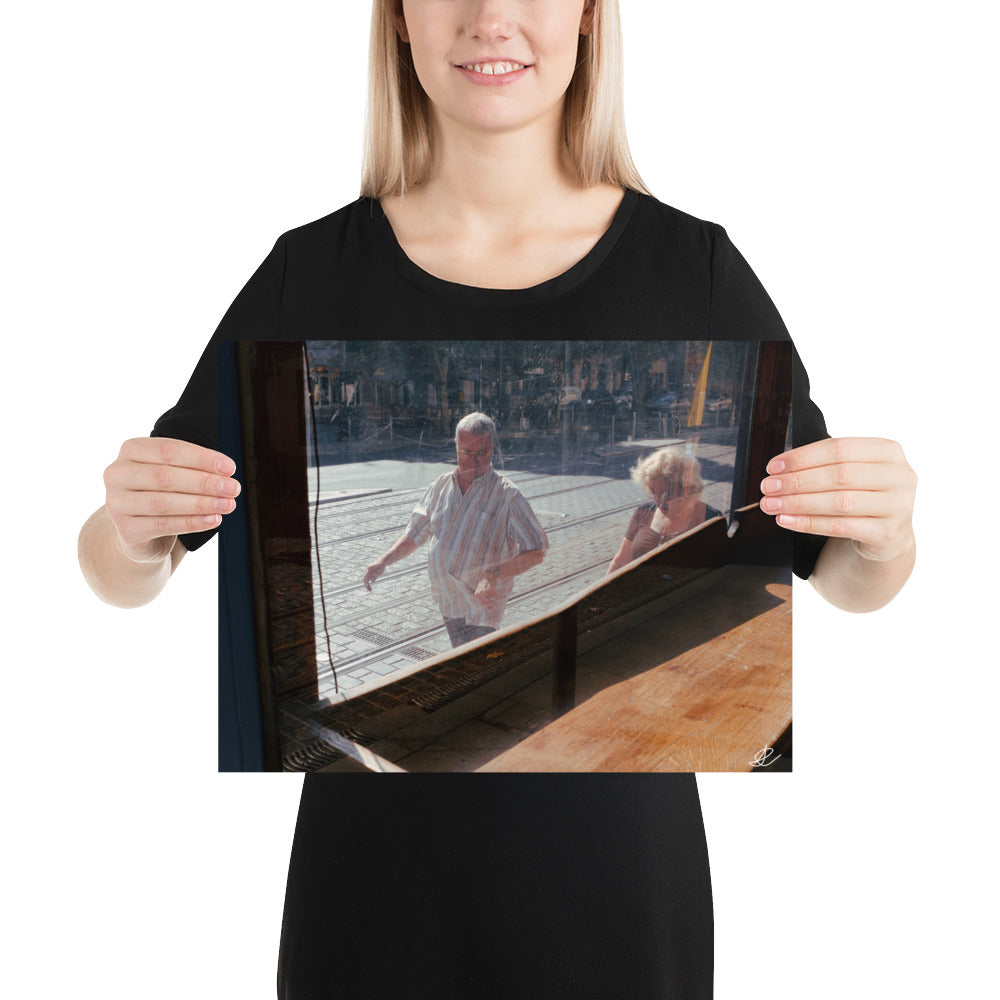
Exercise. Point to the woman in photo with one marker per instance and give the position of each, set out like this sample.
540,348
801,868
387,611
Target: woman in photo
499,200
673,479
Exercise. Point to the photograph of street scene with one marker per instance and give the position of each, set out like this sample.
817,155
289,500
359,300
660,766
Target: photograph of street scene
570,422
465,497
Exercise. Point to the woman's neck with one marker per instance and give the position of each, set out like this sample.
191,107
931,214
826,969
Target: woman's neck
498,181
500,210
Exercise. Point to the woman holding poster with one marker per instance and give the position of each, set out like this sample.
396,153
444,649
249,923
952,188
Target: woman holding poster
499,199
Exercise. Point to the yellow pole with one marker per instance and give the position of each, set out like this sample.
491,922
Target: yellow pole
696,415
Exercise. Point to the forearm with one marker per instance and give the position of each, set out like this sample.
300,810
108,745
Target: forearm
518,564
403,547
113,576
852,583
621,558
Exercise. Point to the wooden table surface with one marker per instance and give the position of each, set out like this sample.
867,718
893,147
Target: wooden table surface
701,684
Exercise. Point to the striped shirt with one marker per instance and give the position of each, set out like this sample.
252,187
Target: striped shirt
490,524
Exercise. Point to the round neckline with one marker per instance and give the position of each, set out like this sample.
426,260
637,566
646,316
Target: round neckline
562,283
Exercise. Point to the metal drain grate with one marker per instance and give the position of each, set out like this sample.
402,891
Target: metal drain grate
370,635
360,738
310,758
446,689
417,653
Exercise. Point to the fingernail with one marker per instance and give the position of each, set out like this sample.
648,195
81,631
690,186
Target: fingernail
211,519
225,466
771,504
786,519
775,466
770,486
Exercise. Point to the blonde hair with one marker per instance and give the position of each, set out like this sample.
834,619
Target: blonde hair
681,471
397,147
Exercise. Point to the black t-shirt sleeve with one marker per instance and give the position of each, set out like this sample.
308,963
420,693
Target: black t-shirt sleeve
740,307
742,310
254,315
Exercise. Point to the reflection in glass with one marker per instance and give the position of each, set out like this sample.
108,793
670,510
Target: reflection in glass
672,478
572,420
483,535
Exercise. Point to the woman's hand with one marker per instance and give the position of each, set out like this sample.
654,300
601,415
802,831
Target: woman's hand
859,493
159,488
860,489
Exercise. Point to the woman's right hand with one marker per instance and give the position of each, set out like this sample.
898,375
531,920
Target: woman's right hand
159,488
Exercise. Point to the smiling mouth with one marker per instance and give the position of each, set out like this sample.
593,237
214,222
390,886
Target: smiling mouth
493,68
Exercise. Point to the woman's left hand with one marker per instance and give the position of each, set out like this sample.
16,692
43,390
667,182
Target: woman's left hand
856,488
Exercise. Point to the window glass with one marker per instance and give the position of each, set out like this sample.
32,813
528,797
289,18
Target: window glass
572,419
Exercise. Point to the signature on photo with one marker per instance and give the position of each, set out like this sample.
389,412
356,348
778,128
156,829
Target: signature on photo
763,757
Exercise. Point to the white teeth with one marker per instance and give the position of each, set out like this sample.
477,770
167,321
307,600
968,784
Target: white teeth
495,69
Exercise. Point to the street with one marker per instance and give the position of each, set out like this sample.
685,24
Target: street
365,507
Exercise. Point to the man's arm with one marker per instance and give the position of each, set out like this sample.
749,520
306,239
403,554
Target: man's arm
403,547
518,564
486,592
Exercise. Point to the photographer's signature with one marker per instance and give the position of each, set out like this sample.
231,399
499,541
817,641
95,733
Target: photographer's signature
763,758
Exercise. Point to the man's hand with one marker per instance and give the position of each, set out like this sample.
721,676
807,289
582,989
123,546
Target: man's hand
373,573
159,488
401,548
860,489
486,592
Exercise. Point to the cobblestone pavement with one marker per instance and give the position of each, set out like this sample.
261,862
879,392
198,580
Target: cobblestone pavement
398,623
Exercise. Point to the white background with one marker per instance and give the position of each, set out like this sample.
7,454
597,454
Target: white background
155,151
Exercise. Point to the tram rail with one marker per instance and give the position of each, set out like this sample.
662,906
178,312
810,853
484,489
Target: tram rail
339,592
400,526
400,644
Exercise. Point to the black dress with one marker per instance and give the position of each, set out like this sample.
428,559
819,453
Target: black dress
587,886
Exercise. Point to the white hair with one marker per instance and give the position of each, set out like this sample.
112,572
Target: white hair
476,423
682,471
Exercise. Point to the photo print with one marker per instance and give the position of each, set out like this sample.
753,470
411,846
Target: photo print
505,555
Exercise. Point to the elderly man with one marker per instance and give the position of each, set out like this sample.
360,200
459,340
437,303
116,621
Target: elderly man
484,535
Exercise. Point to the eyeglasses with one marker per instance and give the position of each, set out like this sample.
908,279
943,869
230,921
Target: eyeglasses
475,454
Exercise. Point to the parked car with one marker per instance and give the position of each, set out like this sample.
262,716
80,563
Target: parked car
600,404
663,402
